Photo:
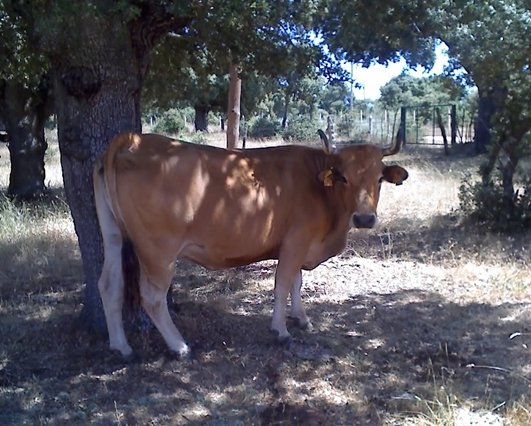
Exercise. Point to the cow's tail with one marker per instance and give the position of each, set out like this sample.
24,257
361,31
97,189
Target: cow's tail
113,225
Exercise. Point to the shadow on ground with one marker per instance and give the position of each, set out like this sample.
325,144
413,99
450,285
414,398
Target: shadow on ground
369,356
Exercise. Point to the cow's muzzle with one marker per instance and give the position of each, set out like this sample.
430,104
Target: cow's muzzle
364,220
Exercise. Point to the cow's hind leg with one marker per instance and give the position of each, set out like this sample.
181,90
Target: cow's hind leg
153,294
111,282
297,309
111,287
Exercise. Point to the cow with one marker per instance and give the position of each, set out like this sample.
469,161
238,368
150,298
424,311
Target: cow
159,199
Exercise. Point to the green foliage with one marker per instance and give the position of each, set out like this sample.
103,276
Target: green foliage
19,61
170,122
300,129
406,90
334,98
262,127
485,202
198,138
346,124
364,32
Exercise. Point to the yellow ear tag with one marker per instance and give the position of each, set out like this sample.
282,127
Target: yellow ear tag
328,178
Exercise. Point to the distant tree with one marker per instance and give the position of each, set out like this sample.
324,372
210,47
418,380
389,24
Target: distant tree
491,41
335,97
406,90
25,103
182,73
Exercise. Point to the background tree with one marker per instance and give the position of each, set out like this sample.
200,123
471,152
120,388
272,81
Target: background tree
183,73
25,104
413,91
335,98
490,40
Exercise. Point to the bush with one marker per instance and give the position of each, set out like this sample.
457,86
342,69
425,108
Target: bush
170,121
300,129
346,125
198,138
485,203
262,128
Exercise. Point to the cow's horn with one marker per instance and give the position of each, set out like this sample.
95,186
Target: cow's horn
324,140
393,149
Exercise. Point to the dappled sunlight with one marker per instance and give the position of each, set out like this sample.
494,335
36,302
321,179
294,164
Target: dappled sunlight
419,309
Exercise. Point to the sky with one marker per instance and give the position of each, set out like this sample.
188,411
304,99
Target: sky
376,76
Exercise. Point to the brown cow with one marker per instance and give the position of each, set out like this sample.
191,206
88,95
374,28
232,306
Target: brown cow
166,199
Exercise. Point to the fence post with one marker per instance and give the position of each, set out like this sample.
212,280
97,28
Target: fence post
453,124
443,131
403,123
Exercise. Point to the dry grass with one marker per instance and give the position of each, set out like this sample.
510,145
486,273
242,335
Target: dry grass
422,321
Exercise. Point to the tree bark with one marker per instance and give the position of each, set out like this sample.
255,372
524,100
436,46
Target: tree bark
287,97
201,118
233,114
24,112
95,102
483,124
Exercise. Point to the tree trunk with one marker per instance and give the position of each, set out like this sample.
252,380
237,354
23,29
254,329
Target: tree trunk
95,102
285,111
201,118
24,112
233,114
483,124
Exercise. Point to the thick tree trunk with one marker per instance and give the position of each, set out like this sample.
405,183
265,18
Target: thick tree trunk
94,103
201,118
233,113
24,112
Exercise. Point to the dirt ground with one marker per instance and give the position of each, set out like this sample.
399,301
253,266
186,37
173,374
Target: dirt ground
424,320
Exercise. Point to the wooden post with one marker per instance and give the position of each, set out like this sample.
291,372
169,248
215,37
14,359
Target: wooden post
233,113
453,125
403,111
443,131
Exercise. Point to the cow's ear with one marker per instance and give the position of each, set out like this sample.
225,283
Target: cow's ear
395,174
331,176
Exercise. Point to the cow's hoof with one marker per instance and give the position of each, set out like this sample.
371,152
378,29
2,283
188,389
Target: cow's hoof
184,354
306,326
187,355
130,358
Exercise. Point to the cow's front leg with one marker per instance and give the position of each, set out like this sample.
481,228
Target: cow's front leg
285,276
297,309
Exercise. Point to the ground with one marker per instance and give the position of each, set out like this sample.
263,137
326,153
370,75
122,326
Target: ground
424,320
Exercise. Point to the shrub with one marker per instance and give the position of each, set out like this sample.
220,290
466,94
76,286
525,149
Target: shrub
300,129
485,203
171,121
198,138
262,128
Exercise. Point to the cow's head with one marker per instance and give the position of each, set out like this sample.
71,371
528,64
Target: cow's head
358,173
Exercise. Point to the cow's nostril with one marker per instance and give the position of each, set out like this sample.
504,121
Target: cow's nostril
364,220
